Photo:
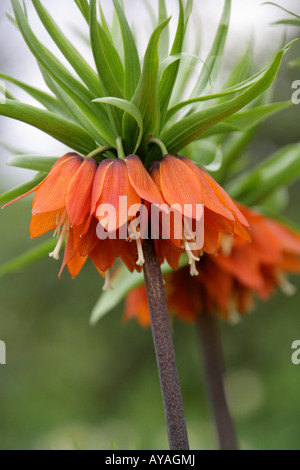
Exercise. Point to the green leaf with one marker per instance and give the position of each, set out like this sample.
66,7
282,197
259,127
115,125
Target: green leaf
168,79
107,60
165,37
22,189
32,162
27,258
132,61
84,8
104,22
192,127
288,22
221,94
124,282
282,8
82,68
81,96
129,108
146,95
45,99
279,170
56,126
246,120
214,59
295,63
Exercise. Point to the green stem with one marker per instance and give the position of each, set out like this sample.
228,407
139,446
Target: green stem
120,148
161,145
99,150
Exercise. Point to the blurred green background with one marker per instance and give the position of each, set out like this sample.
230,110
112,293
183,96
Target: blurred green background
67,385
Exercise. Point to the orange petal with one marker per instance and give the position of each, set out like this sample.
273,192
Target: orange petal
226,200
210,198
76,264
179,184
289,239
103,256
51,194
117,185
244,265
99,182
212,240
78,197
136,306
87,243
43,223
142,182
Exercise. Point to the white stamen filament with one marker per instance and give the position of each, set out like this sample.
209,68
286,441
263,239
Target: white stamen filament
61,232
227,244
192,259
141,259
193,269
55,253
107,284
284,284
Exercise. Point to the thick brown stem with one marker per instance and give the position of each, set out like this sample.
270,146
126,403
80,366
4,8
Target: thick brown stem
164,350
214,373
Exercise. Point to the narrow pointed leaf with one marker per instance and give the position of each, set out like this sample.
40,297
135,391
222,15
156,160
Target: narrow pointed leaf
279,170
21,189
192,127
132,61
82,68
165,37
61,129
32,162
215,56
129,108
27,258
168,79
78,92
146,96
45,99
108,63
84,8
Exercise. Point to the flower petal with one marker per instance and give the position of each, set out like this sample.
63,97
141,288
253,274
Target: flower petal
142,182
99,182
117,185
51,194
179,185
210,198
79,193
43,223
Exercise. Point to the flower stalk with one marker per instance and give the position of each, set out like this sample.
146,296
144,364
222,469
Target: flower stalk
164,349
214,374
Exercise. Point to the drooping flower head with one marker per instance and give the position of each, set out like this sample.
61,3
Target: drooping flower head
62,203
186,187
226,283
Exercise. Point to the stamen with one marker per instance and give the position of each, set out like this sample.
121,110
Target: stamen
227,244
284,284
141,259
55,253
107,285
193,269
189,252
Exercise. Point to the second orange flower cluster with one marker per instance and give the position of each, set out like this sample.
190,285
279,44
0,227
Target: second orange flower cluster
69,200
226,284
